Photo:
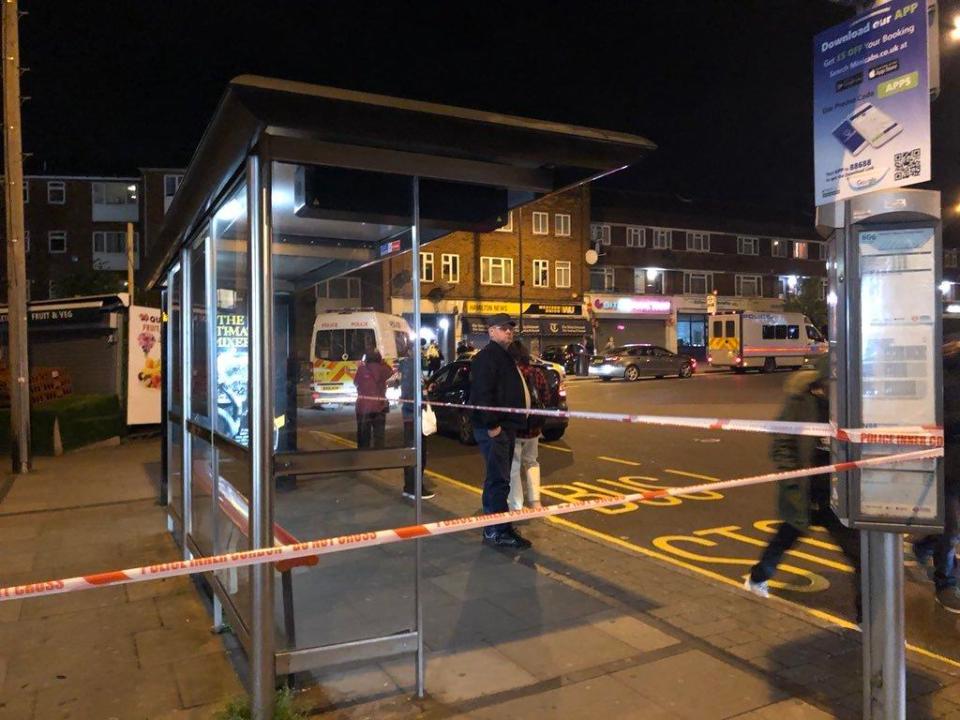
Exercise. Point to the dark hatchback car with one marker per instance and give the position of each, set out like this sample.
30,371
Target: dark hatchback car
632,362
451,384
565,355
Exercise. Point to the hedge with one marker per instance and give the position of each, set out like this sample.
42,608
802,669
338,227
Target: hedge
83,419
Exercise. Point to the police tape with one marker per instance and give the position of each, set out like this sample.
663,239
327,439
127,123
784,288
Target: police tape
915,435
384,537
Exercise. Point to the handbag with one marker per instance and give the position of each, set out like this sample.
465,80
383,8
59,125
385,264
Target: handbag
428,420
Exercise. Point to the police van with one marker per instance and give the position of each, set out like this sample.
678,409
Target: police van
763,341
340,340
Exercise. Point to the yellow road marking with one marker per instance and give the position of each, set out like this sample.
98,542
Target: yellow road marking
617,460
563,522
698,476
556,447
813,612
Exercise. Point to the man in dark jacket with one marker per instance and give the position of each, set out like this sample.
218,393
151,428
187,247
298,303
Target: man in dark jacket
495,381
942,548
804,501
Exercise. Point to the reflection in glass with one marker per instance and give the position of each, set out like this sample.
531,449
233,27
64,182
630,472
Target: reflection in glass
199,372
174,361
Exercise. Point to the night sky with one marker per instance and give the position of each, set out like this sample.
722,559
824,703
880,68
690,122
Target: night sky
722,86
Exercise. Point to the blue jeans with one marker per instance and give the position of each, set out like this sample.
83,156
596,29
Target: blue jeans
497,455
943,546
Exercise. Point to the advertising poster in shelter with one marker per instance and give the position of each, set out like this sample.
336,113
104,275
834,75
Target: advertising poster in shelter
871,103
144,372
233,346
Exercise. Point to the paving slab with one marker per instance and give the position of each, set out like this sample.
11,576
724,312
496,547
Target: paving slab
205,680
456,676
697,686
792,709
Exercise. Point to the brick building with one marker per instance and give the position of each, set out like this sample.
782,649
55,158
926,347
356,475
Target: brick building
659,258
535,263
76,230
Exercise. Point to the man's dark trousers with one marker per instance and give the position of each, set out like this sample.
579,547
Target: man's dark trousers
497,455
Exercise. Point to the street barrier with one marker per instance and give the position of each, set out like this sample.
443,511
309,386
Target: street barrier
384,537
917,435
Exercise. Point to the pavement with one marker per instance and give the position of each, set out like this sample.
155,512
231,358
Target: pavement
572,628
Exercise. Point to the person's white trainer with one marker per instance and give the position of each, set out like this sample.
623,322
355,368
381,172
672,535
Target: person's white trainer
759,589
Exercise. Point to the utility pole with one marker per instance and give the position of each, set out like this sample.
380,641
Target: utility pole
16,252
130,261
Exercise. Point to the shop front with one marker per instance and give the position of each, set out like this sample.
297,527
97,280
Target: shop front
693,314
632,319
541,325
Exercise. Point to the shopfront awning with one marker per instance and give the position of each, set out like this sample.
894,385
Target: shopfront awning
326,127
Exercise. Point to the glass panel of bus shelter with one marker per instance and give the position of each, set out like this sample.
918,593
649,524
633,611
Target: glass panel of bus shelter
231,245
330,319
174,376
201,452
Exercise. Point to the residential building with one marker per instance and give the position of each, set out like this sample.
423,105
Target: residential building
533,268
660,257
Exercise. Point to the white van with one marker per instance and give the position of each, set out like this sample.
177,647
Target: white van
340,340
763,340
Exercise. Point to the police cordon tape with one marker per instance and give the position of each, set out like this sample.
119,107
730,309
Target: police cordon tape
384,537
917,435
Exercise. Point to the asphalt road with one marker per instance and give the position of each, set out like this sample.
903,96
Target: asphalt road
717,534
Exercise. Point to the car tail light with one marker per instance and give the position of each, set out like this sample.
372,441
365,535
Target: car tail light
738,360
563,390
693,362
709,359
316,396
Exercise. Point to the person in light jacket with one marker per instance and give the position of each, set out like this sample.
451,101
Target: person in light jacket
525,469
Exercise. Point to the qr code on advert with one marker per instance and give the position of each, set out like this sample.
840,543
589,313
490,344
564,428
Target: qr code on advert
906,164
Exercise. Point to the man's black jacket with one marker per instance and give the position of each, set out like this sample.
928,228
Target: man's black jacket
495,381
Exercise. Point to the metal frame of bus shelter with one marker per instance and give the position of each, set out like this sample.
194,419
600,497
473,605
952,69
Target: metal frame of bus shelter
260,121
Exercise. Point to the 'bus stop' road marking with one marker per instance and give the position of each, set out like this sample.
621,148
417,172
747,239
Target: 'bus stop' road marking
640,550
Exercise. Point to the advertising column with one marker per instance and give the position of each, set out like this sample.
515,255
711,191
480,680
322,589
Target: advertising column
144,378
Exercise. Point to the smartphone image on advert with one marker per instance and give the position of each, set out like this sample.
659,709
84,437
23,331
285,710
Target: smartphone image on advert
877,127
849,137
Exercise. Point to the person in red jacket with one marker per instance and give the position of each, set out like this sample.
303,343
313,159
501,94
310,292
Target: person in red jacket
372,405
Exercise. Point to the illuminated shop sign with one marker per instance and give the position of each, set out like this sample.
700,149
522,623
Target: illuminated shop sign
634,305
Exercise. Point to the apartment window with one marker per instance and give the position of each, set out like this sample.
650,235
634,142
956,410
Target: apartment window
171,183
695,283
748,245
818,251
778,248
561,269
57,241
600,233
56,192
51,289
602,279
496,271
426,267
662,239
450,268
113,242
561,225
508,226
114,193
541,223
801,250
639,280
950,258
748,285
635,236
698,242
541,273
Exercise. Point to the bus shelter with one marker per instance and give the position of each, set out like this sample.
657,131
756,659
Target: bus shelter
292,186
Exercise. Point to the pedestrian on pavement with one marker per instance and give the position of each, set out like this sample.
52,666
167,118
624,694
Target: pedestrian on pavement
804,501
588,344
610,344
942,548
408,384
372,406
496,382
525,468
434,357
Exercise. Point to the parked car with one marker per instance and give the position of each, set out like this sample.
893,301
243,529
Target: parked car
451,384
565,355
632,362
